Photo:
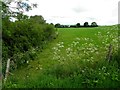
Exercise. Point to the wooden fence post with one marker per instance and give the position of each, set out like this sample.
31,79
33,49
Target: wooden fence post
7,70
109,55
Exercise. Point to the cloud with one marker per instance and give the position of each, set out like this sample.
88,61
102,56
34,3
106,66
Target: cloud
91,18
79,9
73,11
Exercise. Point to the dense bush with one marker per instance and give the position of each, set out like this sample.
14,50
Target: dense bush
23,36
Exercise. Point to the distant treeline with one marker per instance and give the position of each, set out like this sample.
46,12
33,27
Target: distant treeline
93,24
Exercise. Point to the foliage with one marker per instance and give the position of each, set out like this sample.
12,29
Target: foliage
94,24
86,24
78,24
8,11
57,25
22,36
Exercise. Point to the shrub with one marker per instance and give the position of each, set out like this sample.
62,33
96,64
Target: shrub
20,37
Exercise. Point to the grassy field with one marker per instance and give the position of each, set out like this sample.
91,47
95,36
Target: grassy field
75,59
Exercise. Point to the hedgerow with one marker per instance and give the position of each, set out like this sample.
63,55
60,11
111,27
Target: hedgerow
21,38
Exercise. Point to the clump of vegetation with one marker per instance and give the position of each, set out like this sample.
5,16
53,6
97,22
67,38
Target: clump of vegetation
23,38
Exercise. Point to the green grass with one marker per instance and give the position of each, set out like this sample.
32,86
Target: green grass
82,66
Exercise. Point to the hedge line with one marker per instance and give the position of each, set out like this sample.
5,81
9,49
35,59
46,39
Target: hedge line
21,39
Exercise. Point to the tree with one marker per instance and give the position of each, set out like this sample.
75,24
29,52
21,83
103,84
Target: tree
94,24
73,26
17,11
86,24
78,25
52,24
37,19
57,25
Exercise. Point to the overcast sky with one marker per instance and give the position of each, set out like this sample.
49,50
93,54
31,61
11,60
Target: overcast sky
104,12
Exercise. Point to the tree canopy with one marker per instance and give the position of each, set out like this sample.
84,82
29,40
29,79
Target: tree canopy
16,11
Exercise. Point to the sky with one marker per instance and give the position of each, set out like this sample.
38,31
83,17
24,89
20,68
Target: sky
104,12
